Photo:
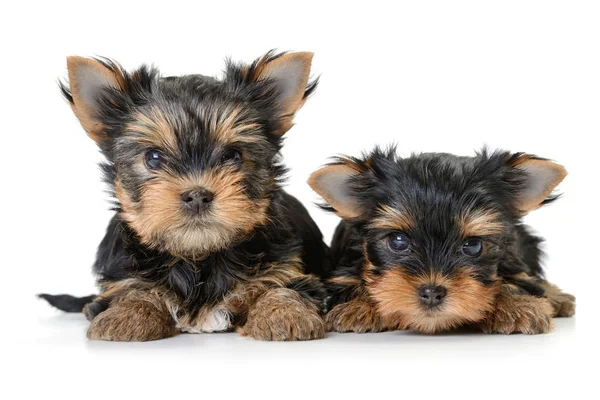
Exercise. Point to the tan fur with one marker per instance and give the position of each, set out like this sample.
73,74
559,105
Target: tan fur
155,129
562,303
114,290
276,275
231,127
160,222
83,111
526,160
244,295
318,181
359,315
265,68
158,218
480,223
135,316
390,218
345,280
282,314
519,313
396,293
141,310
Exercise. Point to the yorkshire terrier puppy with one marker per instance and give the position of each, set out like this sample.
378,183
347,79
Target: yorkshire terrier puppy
436,241
204,239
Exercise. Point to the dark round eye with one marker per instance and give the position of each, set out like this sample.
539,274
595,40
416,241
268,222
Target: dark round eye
232,156
154,159
398,242
472,247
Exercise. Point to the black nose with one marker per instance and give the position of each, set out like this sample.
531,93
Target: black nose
197,200
432,296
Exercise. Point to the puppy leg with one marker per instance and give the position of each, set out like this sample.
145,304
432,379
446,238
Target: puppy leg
357,315
282,314
563,303
137,316
519,313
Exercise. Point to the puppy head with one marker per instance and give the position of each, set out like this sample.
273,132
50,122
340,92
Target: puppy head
192,159
436,227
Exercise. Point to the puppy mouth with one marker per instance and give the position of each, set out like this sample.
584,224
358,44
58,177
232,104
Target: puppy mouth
199,221
434,312
205,222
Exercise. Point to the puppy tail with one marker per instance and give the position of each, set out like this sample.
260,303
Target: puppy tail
67,302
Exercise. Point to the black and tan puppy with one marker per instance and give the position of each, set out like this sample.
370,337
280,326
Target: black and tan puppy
435,241
204,239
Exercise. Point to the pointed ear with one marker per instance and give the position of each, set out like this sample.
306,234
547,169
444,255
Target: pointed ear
88,80
289,73
539,178
333,184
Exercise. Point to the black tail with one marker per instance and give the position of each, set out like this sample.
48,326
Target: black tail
67,302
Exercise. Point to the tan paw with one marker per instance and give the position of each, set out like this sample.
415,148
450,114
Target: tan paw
357,315
518,313
563,303
138,323
281,315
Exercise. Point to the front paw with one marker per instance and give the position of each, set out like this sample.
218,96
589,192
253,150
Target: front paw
131,324
563,303
517,313
357,315
283,315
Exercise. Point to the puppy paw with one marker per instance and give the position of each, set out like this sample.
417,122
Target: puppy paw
517,313
136,323
282,315
562,303
91,310
357,315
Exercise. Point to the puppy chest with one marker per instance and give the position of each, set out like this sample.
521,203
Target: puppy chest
214,319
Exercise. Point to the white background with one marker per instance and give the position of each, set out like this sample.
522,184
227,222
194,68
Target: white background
431,76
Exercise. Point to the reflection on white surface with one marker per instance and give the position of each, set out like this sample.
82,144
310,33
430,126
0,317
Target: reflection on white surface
68,331
51,347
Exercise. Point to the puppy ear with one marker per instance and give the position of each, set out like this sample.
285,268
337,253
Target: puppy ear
334,184
88,81
538,179
289,74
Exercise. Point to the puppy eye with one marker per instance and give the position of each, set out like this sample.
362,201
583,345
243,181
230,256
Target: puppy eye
232,156
398,242
472,247
154,159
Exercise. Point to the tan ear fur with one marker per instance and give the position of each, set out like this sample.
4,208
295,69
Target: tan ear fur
87,78
541,177
331,183
290,72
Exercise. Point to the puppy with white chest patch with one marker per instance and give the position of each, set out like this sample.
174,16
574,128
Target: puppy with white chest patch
204,239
